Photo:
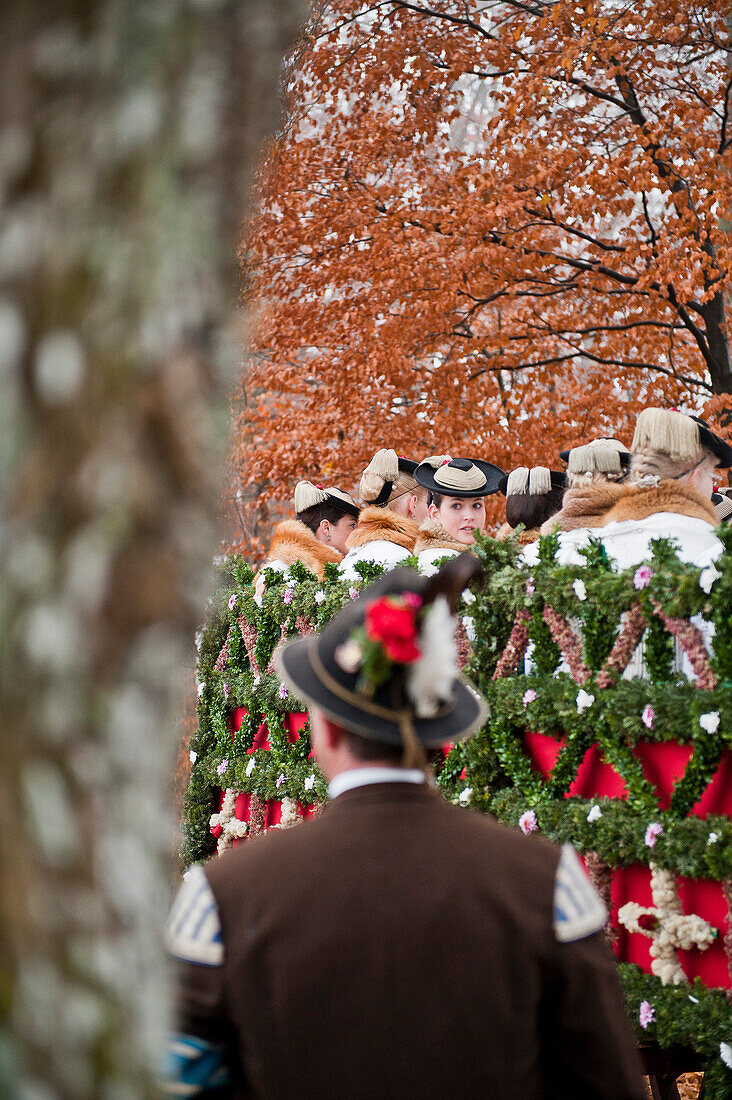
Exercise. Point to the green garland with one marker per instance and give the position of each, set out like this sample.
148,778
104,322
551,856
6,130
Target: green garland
492,772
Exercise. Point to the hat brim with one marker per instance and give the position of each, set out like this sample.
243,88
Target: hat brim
425,476
714,443
344,506
296,668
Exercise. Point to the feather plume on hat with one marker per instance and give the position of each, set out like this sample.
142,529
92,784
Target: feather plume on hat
672,433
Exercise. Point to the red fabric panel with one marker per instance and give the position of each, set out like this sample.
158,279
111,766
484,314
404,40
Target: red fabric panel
663,764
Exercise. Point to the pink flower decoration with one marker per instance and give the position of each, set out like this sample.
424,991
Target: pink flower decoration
654,830
353,593
528,823
530,587
287,595
648,717
411,599
283,691
222,767
642,576
280,780
232,602
226,691
647,1014
529,697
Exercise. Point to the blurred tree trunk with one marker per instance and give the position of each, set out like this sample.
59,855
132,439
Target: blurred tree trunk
128,129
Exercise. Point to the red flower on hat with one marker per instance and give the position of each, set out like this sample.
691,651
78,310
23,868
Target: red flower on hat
390,621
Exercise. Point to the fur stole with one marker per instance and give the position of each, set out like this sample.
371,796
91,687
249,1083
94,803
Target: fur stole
382,523
293,541
432,536
529,534
584,506
638,502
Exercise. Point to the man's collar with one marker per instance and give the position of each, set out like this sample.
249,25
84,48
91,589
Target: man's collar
363,777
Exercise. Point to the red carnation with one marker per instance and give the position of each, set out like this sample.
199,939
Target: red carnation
392,623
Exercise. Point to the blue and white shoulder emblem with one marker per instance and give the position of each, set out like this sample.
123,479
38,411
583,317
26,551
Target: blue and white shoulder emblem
193,931
578,911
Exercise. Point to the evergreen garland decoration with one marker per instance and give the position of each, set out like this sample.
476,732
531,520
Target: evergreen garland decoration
608,611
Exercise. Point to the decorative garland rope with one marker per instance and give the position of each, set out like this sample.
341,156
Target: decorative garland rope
280,642
230,827
625,646
691,640
249,635
569,644
223,658
727,890
601,877
515,646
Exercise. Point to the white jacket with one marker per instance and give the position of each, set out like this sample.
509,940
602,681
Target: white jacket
379,552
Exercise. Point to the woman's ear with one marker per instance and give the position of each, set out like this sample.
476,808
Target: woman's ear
432,512
323,534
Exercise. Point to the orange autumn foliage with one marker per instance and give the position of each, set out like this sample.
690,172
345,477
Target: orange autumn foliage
485,229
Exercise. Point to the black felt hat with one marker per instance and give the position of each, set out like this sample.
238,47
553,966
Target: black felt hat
459,477
308,495
387,465
322,669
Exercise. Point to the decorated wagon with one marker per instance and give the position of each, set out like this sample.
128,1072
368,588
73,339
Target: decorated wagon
610,727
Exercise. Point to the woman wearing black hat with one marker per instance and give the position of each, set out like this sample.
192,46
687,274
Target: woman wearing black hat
532,496
595,473
325,518
395,505
667,494
458,488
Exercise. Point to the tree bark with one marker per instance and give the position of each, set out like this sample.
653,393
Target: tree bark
128,131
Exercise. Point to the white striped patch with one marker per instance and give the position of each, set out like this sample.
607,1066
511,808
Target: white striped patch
193,932
578,911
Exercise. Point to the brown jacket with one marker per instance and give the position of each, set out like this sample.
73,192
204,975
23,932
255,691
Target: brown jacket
638,502
293,541
382,523
399,947
584,506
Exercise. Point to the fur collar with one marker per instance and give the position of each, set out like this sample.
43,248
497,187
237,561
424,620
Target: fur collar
433,536
529,534
293,541
382,523
584,506
637,502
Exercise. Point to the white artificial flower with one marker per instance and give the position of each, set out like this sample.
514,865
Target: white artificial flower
250,766
430,679
309,783
710,721
349,655
579,589
595,813
258,598
584,700
256,680
465,796
725,1053
712,838
469,624
193,756
199,639
468,596
320,596
707,577
201,688
694,1000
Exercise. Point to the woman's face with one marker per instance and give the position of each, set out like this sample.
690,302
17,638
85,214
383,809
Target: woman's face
460,517
335,534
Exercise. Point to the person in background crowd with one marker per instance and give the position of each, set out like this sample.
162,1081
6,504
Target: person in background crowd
325,518
394,946
667,495
532,496
458,488
394,506
595,473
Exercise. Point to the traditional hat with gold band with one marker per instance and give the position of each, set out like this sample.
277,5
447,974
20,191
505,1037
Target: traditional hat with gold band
599,456
682,437
386,666
308,495
535,481
459,477
386,466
